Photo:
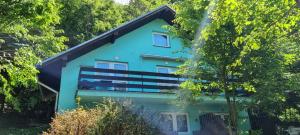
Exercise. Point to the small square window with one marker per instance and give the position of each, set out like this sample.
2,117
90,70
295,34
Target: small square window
160,39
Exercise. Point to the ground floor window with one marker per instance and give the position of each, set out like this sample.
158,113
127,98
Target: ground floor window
224,117
214,122
174,122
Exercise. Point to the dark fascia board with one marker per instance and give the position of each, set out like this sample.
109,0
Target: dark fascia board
163,12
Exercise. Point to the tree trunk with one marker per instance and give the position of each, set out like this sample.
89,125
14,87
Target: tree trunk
232,115
1,103
230,104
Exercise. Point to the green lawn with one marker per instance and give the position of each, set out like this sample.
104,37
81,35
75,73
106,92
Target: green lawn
14,124
22,131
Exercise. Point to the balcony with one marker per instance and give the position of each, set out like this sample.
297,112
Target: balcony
97,82
91,78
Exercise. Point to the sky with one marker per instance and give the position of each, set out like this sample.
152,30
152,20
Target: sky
122,1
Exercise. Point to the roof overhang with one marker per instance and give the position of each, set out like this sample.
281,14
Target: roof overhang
50,69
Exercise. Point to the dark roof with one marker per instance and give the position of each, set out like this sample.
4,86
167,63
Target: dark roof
163,12
50,69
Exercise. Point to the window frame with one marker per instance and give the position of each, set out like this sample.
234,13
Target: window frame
166,78
164,34
111,63
174,121
222,115
111,66
169,68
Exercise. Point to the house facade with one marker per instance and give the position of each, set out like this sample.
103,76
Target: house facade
133,63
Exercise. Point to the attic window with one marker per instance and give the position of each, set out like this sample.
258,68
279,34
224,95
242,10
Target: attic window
160,39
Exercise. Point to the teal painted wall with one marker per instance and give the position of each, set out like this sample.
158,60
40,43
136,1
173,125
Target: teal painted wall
151,108
128,48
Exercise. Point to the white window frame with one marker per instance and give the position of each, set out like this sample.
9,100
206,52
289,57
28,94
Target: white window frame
159,33
174,114
111,66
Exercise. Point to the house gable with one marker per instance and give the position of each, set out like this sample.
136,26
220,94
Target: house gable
50,69
127,49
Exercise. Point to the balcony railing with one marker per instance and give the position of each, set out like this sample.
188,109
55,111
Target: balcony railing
91,78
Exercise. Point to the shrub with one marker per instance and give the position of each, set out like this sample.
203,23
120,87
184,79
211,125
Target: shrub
79,121
108,118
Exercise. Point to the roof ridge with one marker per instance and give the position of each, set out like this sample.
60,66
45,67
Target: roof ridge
105,34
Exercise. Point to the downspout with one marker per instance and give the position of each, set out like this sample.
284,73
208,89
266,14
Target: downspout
54,91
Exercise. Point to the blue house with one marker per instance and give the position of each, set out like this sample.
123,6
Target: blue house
133,62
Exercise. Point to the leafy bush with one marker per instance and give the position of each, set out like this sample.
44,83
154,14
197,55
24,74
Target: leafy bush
256,132
109,118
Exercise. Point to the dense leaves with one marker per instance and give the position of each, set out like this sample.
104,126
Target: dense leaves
242,45
28,34
109,118
82,20
31,31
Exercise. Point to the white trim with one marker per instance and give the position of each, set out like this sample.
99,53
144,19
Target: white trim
164,34
169,69
54,91
174,118
110,64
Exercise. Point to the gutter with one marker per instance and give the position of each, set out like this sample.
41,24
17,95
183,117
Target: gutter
52,90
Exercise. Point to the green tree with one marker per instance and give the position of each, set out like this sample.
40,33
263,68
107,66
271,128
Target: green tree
136,8
84,19
249,45
27,35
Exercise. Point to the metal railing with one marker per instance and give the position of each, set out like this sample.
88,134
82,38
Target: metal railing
91,78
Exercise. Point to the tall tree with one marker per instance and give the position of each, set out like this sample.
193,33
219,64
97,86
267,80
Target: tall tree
27,35
240,45
84,19
136,8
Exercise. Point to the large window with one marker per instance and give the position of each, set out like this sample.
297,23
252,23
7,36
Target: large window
174,122
113,65
160,39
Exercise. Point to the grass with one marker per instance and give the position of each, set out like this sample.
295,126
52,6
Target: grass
15,124
22,131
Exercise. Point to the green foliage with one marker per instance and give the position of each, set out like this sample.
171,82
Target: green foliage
109,118
290,115
256,132
242,44
22,131
82,20
136,8
27,29
33,30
